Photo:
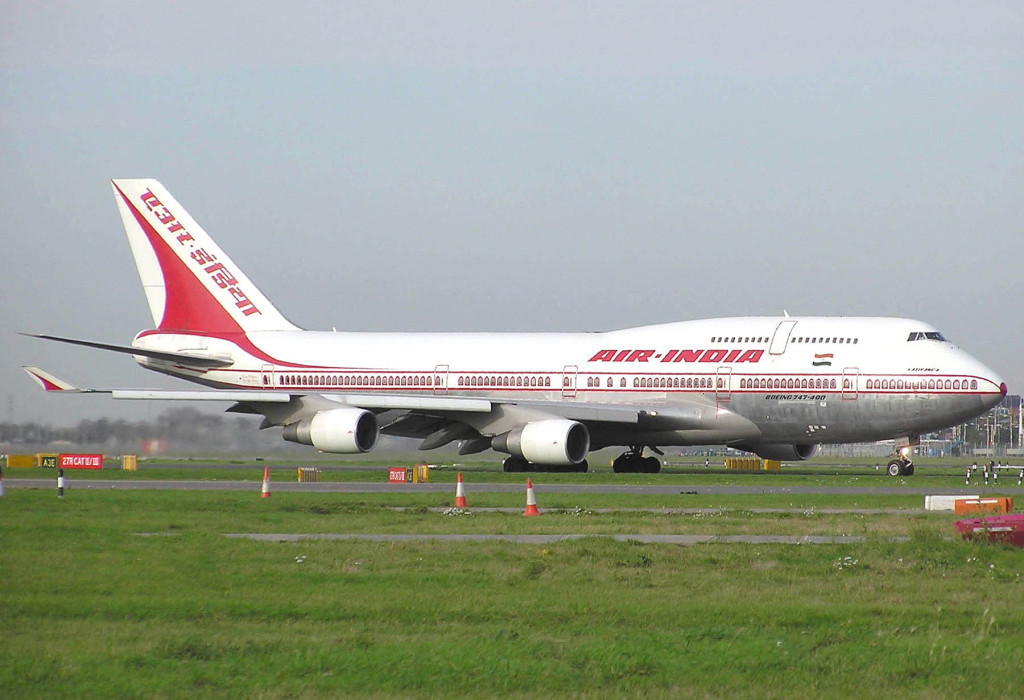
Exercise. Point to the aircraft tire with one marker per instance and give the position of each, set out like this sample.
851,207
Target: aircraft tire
909,471
516,464
895,468
651,465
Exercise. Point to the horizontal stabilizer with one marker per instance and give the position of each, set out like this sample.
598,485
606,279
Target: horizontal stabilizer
182,358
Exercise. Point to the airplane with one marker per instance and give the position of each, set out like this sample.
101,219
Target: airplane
778,387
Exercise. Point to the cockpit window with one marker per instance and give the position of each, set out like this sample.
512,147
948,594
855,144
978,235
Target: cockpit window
930,335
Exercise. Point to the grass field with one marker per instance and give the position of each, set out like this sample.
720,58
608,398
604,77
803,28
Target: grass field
139,594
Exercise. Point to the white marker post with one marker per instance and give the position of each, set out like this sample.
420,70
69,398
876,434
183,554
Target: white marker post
60,483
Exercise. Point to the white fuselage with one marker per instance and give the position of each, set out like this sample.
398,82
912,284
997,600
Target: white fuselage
799,380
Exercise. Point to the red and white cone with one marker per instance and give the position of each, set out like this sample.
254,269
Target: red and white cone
265,493
531,500
460,493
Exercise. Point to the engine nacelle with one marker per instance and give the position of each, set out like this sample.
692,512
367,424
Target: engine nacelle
783,453
345,430
555,441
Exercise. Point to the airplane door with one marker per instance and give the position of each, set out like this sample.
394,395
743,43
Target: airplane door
850,380
723,384
267,378
781,338
569,381
441,379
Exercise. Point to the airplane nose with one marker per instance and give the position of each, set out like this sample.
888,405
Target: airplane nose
992,387
993,398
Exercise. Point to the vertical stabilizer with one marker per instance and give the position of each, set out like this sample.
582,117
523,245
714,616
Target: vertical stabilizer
190,283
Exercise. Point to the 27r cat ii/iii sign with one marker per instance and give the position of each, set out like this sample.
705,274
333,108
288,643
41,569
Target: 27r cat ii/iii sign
80,462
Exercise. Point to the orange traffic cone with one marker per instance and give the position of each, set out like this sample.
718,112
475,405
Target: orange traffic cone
460,493
531,500
265,493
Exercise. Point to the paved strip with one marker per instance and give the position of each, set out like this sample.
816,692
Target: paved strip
687,511
550,539
382,487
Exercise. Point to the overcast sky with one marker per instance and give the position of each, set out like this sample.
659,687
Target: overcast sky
514,166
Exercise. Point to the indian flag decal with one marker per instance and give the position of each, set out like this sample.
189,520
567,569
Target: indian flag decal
823,360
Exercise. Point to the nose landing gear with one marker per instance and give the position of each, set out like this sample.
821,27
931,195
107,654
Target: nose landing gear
900,466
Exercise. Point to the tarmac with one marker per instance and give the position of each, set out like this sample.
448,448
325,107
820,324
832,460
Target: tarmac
551,539
540,487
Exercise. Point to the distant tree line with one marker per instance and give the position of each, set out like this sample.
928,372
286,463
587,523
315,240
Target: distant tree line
182,429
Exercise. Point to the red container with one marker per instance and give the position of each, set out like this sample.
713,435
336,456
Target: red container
1001,528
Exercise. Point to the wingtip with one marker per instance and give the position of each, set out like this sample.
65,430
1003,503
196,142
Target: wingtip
48,381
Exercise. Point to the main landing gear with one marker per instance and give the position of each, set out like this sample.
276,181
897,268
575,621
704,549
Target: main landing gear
900,466
518,464
634,462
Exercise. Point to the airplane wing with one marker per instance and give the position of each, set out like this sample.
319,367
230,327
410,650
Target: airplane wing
586,412
50,382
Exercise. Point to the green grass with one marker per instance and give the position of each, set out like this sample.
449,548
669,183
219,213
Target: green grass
88,607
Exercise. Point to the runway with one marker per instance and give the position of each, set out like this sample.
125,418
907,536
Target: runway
551,539
539,486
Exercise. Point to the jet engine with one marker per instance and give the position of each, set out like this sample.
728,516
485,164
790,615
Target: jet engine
555,441
783,453
345,430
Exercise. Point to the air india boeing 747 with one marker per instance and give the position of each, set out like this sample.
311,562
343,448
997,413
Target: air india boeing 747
775,386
